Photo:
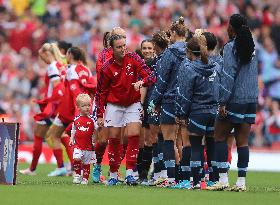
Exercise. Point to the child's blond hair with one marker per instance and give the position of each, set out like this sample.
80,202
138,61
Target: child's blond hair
81,98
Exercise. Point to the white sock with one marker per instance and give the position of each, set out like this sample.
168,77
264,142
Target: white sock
129,172
114,175
171,180
135,174
223,178
156,175
240,181
163,174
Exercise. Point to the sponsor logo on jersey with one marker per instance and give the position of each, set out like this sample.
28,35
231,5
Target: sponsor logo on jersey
83,129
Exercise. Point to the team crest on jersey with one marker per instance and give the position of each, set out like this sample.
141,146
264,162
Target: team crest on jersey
73,87
212,77
115,74
129,70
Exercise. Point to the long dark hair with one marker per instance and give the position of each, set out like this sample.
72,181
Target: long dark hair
211,40
78,54
64,45
244,43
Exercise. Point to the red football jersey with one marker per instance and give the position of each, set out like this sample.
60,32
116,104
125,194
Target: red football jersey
83,127
53,95
115,82
76,77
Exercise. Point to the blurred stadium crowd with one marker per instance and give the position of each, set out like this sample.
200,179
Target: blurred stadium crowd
26,24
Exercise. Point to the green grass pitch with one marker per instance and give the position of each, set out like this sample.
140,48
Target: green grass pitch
264,189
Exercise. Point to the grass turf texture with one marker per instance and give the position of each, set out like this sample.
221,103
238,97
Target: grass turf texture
264,188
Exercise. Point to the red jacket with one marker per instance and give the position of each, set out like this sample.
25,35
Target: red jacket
115,82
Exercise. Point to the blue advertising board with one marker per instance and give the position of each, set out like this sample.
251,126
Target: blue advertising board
9,133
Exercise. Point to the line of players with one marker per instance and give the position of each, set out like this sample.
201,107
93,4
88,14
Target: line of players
180,85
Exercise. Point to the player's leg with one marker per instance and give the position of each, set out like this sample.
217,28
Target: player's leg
40,131
54,133
77,165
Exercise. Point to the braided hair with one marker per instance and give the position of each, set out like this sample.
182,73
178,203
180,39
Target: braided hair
244,43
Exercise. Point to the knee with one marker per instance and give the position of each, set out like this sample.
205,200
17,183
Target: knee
241,141
219,138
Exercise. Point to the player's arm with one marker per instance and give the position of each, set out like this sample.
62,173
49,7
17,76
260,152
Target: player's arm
227,76
164,66
72,136
184,92
102,91
147,75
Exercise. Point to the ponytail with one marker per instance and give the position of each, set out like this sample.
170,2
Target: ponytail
203,49
198,47
179,27
244,42
245,45
56,53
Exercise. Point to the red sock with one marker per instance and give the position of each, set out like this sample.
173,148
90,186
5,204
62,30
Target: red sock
59,157
65,140
37,150
114,154
77,166
86,170
99,149
132,151
123,148
229,155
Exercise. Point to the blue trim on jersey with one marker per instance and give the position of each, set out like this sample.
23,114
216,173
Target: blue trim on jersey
250,115
199,125
236,115
168,113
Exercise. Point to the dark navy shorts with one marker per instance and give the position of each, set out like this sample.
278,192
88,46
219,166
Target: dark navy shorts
240,113
202,124
167,114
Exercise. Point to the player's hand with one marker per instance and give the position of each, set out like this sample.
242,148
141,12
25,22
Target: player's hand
138,85
100,122
153,109
72,141
222,111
